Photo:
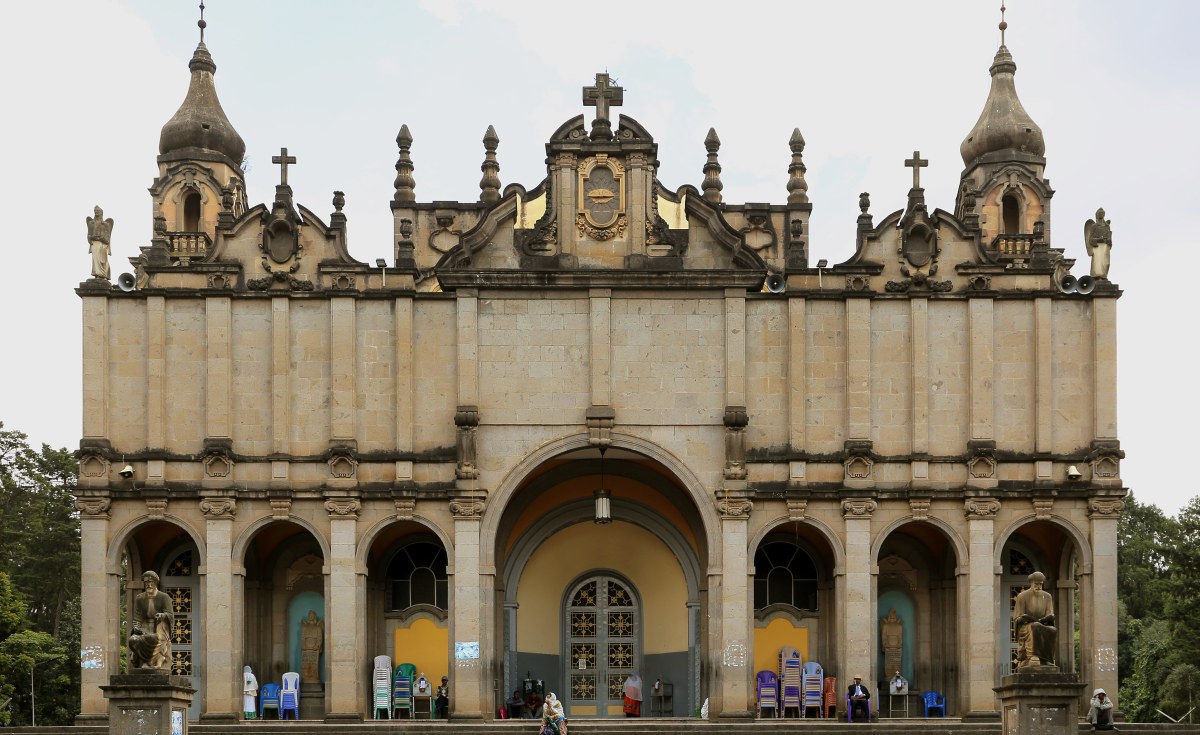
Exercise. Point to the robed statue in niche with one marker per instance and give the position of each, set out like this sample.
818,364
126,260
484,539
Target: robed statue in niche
1033,614
1097,237
891,629
99,238
312,636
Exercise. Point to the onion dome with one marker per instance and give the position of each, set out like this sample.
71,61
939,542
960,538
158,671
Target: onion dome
200,124
1004,125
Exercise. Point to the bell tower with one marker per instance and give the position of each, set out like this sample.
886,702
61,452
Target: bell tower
1003,187
200,183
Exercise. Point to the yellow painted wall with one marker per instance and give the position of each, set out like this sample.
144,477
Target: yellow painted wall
426,645
639,555
768,639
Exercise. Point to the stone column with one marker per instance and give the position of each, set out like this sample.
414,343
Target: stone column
737,612
222,675
467,608
1099,654
99,588
95,368
797,367
855,606
343,607
981,613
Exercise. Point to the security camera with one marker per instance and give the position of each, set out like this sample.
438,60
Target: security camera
1073,473
126,471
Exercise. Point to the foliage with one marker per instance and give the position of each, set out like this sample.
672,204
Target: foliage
39,580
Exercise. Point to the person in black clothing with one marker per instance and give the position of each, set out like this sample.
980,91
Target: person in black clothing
441,699
860,698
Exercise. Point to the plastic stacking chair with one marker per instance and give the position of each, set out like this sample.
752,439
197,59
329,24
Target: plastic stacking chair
289,696
768,693
402,692
829,697
381,687
850,710
268,698
790,681
934,701
813,676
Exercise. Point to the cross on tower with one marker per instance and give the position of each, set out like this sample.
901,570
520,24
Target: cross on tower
283,159
916,163
601,96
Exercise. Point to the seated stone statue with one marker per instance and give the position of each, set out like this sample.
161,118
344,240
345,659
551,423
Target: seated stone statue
150,630
1037,638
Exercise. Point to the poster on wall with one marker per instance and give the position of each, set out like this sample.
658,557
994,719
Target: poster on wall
176,722
466,650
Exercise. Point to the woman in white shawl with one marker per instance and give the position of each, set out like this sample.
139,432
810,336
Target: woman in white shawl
249,692
633,696
1100,713
553,717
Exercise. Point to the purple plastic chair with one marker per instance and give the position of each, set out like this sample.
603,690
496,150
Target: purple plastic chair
768,693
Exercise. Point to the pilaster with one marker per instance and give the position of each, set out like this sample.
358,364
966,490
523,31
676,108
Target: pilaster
1099,655
95,368
856,605
468,347
1043,355
343,655
981,606
467,609
343,336
982,336
735,347
797,372
281,395
1104,352
858,368
156,371
100,649
600,348
221,702
737,612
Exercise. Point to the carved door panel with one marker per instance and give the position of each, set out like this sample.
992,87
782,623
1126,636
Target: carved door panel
603,625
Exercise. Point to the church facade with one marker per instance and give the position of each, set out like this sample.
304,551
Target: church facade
598,427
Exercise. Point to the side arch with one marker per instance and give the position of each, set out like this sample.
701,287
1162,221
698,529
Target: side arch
367,539
1070,529
247,534
127,532
960,548
831,538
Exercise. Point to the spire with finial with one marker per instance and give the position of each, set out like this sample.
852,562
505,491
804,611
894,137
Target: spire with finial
1003,125
405,184
489,185
200,128
712,170
797,187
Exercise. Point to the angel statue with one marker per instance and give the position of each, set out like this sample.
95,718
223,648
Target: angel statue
1097,236
99,235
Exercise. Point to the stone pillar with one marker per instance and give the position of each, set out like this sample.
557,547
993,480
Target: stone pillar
1099,655
222,675
99,644
344,659
148,702
855,607
737,611
467,606
980,664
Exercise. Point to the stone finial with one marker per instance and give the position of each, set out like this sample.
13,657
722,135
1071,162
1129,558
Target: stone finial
712,170
489,185
405,184
339,200
864,207
797,186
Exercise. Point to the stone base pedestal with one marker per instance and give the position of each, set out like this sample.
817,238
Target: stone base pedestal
1033,703
149,702
312,701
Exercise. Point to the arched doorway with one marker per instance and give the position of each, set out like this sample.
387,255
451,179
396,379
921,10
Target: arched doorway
547,545
793,597
602,619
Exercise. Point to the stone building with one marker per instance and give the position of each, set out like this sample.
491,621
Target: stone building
598,426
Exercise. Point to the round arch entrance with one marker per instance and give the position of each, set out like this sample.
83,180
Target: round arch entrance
645,564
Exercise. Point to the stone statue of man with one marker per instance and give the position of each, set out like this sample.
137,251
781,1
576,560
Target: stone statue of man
312,635
149,641
1097,237
891,630
1033,615
99,237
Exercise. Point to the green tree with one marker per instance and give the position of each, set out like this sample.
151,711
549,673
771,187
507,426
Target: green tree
39,577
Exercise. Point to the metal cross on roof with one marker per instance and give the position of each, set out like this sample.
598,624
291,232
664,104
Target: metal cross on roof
283,159
916,163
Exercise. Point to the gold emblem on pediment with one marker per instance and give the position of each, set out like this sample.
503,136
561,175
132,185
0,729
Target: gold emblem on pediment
601,204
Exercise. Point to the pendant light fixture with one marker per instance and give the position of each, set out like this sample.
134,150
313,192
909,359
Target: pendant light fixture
603,497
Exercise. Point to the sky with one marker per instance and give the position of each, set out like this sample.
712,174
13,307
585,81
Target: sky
88,85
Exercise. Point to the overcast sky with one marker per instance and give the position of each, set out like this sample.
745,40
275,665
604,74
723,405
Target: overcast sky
1115,86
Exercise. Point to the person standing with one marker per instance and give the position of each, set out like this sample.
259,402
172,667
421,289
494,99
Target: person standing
633,696
249,692
860,700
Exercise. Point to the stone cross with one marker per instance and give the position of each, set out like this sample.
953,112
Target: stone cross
602,95
916,163
283,159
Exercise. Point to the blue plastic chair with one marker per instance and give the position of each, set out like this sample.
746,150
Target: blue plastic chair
268,698
850,709
934,701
